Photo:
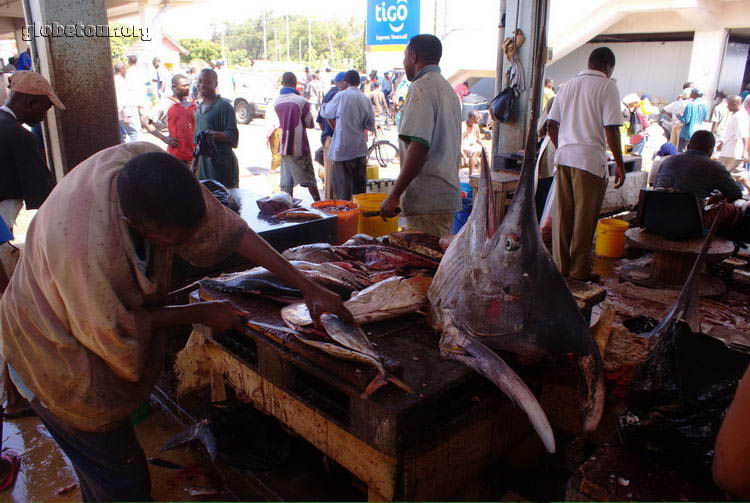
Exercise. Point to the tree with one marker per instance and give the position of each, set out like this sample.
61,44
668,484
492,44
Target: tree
119,45
345,40
200,49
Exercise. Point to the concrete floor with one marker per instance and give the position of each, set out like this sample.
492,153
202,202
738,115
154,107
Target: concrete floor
46,475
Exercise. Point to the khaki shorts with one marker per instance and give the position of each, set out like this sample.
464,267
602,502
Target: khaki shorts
296,170
437,224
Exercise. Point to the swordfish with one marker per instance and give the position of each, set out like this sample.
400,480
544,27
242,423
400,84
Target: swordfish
497,287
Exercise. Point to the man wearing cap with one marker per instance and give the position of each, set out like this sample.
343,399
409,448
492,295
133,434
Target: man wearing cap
350,114
24,176
326,135
23,172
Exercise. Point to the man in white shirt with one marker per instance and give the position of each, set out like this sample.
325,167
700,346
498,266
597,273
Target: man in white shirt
349,113
584,113
734,147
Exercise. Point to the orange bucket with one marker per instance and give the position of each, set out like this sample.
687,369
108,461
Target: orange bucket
347,216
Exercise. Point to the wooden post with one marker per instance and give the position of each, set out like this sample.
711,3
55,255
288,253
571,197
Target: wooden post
522,15
498,78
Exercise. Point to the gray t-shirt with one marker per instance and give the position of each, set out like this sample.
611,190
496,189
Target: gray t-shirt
432,116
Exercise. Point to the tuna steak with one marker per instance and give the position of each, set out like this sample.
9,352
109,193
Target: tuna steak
498,286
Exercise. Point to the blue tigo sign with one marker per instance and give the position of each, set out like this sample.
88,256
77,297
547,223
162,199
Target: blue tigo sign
392,22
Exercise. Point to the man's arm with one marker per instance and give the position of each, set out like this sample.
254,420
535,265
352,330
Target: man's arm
725,183
36,180
416,153
613,140
731,462
553,129
150,126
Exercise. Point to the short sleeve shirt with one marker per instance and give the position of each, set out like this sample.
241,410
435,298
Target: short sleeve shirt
432,116
584,106
733,139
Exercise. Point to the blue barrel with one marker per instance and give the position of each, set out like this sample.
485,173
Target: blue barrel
462,216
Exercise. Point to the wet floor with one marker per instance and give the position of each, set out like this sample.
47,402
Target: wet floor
47,475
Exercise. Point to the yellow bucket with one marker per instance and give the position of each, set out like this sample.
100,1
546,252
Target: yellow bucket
610,238
373,172
374,226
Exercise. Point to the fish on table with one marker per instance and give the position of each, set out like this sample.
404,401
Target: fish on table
262,282
497,288
391,298
349,343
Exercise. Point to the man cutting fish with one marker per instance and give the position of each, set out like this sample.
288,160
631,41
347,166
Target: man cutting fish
82,320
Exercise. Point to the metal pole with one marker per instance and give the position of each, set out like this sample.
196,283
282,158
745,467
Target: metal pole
287,38
498,78
265,43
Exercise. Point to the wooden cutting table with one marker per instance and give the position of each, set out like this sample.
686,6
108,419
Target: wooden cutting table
424,446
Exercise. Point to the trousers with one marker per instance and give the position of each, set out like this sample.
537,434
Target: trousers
578,200
349,177
110,465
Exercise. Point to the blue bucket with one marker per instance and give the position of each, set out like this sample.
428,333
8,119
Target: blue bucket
462,216
465,187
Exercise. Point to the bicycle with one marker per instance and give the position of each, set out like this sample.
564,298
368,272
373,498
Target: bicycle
382,151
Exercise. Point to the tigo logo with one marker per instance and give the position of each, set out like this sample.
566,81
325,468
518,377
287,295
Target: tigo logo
394,15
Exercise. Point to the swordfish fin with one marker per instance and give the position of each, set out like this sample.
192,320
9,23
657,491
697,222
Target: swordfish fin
472,353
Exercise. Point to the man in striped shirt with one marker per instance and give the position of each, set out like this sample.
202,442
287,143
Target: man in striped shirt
294,116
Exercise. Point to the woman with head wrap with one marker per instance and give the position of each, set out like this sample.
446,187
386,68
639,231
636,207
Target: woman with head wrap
664,151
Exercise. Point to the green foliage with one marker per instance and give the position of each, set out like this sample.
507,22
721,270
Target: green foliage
238,58
119,45
200,49
338,44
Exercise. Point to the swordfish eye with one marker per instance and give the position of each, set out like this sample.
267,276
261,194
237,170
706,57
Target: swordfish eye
512,242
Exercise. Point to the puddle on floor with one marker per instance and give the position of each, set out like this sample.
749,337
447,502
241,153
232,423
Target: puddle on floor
47,475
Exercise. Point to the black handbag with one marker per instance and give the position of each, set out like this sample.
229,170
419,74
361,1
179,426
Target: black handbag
501,105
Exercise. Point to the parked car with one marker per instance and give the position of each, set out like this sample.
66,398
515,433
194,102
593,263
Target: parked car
253,94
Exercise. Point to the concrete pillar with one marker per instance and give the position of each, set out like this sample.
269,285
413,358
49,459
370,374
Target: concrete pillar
706,59
512,134
21,44
79,67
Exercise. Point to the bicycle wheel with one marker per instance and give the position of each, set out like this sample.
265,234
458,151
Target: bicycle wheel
383,152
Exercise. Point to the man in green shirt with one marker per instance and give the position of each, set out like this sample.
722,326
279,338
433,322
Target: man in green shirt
427,189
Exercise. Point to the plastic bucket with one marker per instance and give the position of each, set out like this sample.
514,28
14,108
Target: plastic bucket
610,238
462,216
465,187
346,219
374,226
373,172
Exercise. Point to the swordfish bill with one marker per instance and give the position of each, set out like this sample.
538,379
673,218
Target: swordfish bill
497,287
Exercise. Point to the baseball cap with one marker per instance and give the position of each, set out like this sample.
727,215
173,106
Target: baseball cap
339,77
28,82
